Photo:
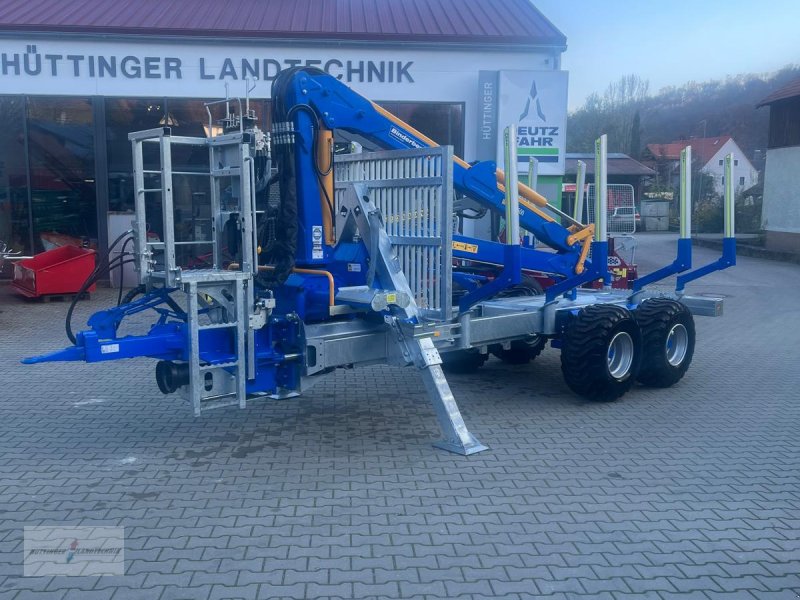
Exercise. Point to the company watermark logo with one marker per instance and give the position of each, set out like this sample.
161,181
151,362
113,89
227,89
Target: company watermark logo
66,550
533,98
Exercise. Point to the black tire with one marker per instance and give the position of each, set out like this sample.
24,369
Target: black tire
589,367
463,362
521,352
668,338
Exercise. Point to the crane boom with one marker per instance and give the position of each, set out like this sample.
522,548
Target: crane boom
309,104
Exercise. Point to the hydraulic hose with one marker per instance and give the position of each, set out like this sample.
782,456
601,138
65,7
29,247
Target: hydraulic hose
121,272
99,268
93,277
133,292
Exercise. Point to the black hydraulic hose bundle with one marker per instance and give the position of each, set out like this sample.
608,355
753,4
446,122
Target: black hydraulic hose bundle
315,129
284,149
121,270
90,280
285,247
132,293
103,266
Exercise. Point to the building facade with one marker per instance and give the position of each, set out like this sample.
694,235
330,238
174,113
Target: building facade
73,84
780,214
621,168
709,153
745,174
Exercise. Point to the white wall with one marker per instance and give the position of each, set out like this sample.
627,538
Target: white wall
449,74
743,169
781,211
71,66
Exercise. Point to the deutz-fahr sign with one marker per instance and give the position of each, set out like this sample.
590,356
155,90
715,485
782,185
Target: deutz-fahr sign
537,102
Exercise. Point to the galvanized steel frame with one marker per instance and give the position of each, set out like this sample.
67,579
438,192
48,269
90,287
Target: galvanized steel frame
413,190
229,381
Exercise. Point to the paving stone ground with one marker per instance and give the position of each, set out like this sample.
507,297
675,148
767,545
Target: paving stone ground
690,492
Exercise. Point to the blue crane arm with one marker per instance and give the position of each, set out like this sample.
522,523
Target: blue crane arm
316,102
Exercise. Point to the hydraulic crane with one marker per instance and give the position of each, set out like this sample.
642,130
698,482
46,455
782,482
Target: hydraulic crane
358,262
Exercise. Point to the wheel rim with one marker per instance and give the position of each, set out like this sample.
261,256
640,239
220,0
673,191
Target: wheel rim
677,344
620,355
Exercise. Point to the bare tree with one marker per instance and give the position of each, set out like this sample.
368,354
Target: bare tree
612,113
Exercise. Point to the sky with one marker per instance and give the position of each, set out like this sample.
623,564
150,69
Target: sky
671,42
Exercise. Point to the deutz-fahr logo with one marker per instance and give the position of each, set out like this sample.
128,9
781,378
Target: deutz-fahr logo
533,98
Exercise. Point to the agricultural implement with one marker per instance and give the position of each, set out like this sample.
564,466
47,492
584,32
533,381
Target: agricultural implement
358,263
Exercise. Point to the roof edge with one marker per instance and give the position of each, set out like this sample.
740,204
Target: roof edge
519,42
786,92
549,22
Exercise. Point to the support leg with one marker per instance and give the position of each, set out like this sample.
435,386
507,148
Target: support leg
194,348
457,437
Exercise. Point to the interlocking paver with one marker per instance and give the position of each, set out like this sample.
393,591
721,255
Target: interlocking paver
690,492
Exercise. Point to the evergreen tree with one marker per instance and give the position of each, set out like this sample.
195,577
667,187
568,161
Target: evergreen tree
636,137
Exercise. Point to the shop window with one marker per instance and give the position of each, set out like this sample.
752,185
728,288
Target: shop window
443,122
190,166
184,117
123,116
62,173
14,213
191,193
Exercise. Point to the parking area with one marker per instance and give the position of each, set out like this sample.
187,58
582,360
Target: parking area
688,492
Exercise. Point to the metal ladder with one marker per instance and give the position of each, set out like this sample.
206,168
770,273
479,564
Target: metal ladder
216,298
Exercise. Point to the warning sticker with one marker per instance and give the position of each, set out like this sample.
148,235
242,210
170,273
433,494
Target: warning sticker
354,267
316,240
109,349
471,248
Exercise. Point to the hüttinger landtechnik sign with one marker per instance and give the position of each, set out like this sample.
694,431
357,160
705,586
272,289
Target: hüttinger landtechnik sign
107,67
537,102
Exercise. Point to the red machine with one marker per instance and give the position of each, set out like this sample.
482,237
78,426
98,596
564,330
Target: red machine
54,272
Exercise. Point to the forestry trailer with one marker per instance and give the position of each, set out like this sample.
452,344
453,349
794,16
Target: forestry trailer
358,261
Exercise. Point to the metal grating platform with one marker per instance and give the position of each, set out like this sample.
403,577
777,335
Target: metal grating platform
413,189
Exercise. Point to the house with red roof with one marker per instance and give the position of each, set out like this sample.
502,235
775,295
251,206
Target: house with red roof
710,154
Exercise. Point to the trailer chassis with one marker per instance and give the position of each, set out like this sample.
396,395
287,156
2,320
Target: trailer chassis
402,316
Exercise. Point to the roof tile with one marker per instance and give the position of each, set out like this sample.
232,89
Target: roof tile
790,90
477,21
618,164
703,149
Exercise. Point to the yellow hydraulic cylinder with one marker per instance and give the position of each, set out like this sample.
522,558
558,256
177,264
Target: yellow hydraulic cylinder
324,167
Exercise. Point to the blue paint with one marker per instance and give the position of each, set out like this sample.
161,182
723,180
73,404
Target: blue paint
728,259
681,263
313,97
510,275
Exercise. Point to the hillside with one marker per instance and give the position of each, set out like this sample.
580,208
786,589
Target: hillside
721,107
